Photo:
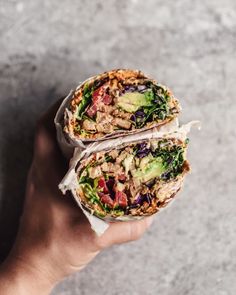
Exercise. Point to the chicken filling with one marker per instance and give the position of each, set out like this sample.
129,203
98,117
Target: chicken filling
111,105
131,179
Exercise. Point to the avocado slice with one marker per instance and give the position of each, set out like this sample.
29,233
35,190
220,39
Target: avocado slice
132,101
144,161
151,170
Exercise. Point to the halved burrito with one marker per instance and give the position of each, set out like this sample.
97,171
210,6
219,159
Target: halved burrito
133,180
118,102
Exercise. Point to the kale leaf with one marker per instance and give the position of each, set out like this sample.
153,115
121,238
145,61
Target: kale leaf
86,100
173,160
159,97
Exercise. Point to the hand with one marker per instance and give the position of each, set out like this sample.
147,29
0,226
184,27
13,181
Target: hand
54,239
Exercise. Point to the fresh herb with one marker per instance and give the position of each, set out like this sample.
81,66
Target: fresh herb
106,176
117,212
86,100
158,108
149,95
173,160
108,159
99,214
91,189
86,180
91,193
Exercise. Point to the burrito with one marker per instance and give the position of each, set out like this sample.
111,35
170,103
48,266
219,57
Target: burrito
117,103
134,179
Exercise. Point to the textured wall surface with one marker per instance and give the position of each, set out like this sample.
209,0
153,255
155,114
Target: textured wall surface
47,47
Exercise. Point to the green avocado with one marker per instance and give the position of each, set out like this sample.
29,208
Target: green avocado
151,170
132,101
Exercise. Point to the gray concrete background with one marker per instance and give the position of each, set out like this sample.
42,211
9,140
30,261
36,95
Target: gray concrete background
47,47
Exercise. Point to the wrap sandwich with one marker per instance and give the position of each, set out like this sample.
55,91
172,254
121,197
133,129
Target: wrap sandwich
132,180
117,103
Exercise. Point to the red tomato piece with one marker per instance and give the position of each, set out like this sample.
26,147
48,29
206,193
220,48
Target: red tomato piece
100,95
97,95
106,199
107,99
121,199
92,110
102,185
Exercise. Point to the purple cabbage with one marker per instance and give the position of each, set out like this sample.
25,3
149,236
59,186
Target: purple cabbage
133,118
142,145
139,113
130,88
142,88
138,116
142,151
141,199
133,88
110,184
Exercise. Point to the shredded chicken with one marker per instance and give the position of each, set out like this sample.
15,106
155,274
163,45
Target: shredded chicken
121,157
114,154
107,109
105,127
89,125
103,117
95,172
122,123
133,189
111,168
121,114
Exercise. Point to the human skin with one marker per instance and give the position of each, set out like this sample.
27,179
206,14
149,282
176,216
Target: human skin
54,238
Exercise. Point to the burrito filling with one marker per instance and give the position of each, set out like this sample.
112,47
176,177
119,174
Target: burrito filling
116,103
137,179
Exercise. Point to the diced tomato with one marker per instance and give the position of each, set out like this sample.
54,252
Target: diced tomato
99,95
92,110
121,199
106,199
122,177
102,185
107,99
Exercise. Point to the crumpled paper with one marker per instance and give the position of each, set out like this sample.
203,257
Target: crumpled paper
69,182
66,144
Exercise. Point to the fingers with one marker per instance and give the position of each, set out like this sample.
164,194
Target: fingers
49,166
46,147
47,119
123,232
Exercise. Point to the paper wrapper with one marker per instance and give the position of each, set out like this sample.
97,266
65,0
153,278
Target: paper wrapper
66,144
69,182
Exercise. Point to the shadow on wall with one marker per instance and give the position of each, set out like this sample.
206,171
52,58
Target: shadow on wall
28,89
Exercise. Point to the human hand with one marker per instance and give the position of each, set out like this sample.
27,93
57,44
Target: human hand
55,239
